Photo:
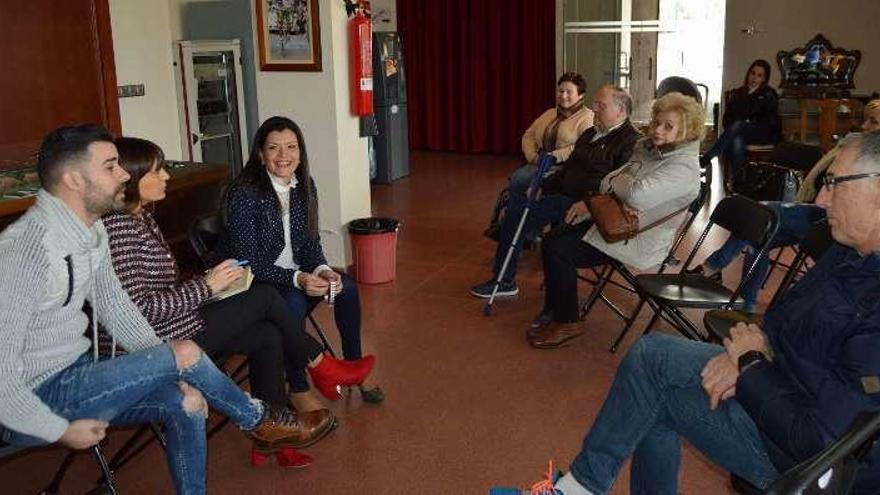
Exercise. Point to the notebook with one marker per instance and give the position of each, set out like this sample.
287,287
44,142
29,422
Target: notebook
237,287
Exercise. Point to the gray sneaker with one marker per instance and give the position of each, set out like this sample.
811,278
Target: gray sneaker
505,289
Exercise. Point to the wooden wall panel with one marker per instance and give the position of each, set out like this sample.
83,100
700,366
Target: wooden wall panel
57,69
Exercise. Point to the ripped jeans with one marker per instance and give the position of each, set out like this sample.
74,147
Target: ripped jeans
142,387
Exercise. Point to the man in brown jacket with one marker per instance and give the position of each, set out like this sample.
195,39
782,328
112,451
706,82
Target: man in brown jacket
599,150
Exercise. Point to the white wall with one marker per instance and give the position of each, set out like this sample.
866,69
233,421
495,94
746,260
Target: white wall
786,24
142,35
142,47
318,102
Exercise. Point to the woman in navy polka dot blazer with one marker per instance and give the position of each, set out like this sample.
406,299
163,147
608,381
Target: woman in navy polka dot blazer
271,215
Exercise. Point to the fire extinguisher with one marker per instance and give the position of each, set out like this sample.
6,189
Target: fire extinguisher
360,44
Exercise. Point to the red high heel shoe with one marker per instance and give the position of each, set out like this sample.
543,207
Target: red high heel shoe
331,372
285,457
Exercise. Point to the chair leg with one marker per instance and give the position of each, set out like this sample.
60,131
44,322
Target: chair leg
128,451
629,323
598,287
55,484
773,263
108,479
681,323
653,321
321,335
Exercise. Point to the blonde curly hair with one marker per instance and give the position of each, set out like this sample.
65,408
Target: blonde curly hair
692,115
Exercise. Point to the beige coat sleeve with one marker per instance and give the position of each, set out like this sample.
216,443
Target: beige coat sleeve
534,135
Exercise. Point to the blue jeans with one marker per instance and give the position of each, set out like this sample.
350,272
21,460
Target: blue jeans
346,312
795,221
521,178
657,399
731,144
142,387
549,209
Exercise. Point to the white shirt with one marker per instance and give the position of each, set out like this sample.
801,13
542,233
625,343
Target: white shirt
285,258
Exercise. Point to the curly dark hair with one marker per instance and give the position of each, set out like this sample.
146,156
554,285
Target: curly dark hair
576,79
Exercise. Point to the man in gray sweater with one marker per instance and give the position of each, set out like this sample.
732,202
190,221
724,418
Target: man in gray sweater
55,259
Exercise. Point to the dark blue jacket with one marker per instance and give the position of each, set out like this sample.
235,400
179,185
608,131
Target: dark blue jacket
826,337
254,232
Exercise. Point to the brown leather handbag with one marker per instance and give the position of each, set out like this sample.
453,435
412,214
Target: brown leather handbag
614,222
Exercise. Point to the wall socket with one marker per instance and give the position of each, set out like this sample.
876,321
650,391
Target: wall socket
130,90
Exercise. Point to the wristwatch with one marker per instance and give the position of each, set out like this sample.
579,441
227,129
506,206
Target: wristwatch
749,359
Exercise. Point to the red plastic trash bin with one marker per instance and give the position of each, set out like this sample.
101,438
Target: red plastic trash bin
374,249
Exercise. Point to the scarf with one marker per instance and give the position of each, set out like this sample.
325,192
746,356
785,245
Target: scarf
549,141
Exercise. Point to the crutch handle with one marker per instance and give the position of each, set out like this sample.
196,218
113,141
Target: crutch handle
545,163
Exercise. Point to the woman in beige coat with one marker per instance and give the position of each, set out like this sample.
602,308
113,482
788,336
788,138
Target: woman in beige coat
661,178
557,129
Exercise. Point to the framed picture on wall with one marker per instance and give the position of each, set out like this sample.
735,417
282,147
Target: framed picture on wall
289,35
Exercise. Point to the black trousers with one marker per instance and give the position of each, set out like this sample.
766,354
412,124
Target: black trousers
259,324
347,313
563,252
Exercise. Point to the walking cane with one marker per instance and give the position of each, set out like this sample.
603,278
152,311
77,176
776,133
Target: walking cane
545,162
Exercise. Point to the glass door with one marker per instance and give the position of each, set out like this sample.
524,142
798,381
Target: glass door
214,120
633,43
614,42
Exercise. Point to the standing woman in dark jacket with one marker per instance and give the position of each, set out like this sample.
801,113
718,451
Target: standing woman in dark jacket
751,116
272,221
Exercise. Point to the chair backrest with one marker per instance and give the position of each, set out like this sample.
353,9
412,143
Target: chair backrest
797,156
681,85
692,211
204,235
746,219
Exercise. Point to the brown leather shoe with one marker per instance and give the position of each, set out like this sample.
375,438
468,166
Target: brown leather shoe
283,428
538,325
557,335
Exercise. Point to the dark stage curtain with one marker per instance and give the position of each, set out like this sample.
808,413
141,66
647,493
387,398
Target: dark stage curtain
478,71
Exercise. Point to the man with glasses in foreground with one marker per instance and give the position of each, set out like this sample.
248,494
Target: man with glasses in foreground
771,396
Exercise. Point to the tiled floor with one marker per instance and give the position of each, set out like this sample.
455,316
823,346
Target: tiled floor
469,404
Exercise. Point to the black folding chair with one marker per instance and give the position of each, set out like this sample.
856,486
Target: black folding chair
668,294
205,233
834,470
606,273
106,483
800,158
830,472
814,245
681,85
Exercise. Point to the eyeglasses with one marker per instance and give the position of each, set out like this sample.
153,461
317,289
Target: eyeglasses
828,181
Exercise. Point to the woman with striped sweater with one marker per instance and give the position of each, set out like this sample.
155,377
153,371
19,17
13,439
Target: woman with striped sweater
256,322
